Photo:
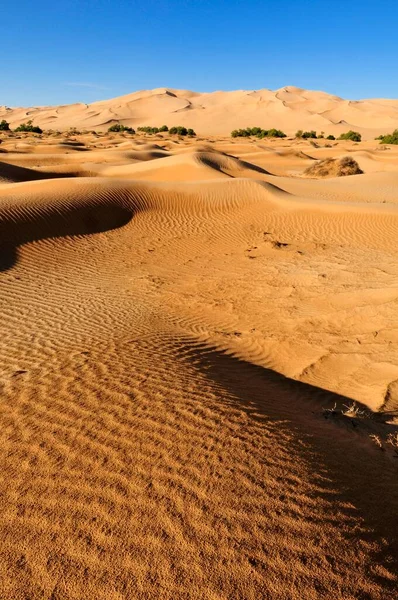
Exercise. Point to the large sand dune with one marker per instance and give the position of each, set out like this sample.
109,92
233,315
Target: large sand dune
289,108
177,320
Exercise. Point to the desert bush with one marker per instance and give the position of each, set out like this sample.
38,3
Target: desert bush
163,128
28,127
330,137
391,138
276,133
119,128
256,130
334,167
240,133
179,130
4,126
351,135
299,134
309,134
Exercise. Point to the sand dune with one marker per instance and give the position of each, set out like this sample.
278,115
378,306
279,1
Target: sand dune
289,108
184,329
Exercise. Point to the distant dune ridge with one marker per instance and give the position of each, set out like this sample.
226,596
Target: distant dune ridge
218,113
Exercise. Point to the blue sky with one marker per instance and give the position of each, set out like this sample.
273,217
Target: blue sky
87,50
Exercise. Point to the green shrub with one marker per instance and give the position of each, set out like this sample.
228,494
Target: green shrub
309,134
276,133
119,128
391,138
241,133
299,134
28,127
163,128
256,131
4,126
179,130
351,135
330,137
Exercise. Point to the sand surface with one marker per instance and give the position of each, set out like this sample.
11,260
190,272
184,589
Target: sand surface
289,108
185,324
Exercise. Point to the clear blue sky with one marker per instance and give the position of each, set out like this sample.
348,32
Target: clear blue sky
84,50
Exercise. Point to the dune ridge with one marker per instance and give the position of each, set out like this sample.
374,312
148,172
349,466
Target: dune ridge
218,113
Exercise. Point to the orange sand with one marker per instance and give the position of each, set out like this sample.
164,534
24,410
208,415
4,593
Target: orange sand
176,316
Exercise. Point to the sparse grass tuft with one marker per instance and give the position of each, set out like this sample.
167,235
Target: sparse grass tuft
392,439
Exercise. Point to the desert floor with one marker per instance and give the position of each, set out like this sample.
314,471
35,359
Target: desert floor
198,369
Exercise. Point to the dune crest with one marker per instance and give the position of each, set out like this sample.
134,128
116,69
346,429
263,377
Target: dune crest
218,113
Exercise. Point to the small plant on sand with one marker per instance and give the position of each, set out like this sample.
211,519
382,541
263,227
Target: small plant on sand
392,138
353,410
299,134
4,126
354,136
330,137
331,412
28,127
377,440
119,128
392,439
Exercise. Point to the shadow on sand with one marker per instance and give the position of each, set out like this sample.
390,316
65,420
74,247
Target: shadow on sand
357,473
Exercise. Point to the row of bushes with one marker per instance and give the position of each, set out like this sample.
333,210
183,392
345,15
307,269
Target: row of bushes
354,136
29,127
257,132
154,129
349,135
115,128
178,130
262,133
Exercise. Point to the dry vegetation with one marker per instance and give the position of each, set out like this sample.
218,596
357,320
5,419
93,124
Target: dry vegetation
334,167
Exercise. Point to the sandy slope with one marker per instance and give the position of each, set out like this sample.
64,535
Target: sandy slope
175,319
289,108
